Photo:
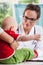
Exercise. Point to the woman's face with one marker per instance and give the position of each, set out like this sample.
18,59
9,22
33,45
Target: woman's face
29,19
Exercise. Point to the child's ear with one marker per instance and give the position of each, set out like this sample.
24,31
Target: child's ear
11,28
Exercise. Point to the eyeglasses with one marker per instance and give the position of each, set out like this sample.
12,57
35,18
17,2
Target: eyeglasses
27,18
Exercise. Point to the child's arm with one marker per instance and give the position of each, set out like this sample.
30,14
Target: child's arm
18,37
27,38
4,36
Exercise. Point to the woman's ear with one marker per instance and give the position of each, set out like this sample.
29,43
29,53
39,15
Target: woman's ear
36,20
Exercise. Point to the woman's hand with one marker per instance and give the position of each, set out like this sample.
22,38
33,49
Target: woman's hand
14,45
36,37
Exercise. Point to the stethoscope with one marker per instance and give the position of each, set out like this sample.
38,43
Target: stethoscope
34,41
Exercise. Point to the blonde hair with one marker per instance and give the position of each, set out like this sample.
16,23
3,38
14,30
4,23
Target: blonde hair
8,22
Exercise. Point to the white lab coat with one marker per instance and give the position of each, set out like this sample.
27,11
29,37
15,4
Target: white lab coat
30,44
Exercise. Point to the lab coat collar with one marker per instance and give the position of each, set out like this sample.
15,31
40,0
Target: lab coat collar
23,32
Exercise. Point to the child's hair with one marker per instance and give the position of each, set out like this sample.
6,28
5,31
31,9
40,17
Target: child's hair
8,22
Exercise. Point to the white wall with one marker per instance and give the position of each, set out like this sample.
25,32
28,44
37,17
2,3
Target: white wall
16,1
41,1
13,1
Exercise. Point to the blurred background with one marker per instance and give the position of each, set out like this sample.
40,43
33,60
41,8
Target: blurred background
15,8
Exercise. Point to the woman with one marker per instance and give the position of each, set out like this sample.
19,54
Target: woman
31,16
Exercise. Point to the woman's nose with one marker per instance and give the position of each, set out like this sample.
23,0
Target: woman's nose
28,22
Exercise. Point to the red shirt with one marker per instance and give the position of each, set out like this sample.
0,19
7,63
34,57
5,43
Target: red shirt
5,49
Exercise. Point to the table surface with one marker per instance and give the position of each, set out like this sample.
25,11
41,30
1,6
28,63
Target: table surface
30,63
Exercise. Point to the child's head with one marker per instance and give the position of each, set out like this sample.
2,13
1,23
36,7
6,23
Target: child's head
9,23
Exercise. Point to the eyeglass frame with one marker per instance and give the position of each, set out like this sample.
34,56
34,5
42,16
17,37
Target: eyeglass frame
31,19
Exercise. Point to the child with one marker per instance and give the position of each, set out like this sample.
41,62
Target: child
7,53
